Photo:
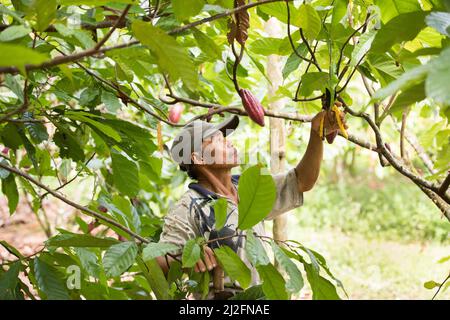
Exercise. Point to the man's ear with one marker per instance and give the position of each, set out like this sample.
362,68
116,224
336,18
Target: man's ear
196,159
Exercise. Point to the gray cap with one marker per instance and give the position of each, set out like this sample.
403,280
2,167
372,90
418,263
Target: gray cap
191,136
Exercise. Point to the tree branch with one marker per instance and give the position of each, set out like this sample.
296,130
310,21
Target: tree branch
110,32
73,204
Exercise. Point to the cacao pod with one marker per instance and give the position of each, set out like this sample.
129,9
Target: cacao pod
330,137
5,150
102,209
253,107
175,113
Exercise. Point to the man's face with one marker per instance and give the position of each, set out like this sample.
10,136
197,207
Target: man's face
218,152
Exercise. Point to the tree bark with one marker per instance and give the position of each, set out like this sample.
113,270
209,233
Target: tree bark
277,126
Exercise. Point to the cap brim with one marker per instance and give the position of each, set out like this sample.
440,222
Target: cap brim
226,127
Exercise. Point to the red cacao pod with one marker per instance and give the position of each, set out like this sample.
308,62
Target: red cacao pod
175,113
330,137
5,150
253,107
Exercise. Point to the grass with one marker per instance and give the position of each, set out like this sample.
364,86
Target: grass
378,269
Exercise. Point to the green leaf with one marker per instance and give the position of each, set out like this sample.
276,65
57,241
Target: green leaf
273,283
255,251
252,293
322,288
191,253
407,98
95,3
207,45
9,189
234,267
184,10
109,131
79,240
14,32
172,57
403,27
89,261
11,249
220,213
405,81
267,46
45,11
38,131
153,250
49,281
440,21
155,278
362,47
339,12
9,281
313,81
436,85
119,257
392,8
125,174
111,101
295,282
293,61
11,137
309,21
257,194
431,284
68,144
18,56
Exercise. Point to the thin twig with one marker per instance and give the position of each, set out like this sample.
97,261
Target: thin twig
110,32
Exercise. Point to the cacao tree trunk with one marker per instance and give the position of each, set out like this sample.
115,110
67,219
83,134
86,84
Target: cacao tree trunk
277,126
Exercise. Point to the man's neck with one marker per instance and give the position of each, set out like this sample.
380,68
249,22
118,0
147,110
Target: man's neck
218,181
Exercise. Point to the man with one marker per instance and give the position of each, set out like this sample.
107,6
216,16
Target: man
201,149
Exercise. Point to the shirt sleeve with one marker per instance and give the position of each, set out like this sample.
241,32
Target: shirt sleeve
178,226
288,195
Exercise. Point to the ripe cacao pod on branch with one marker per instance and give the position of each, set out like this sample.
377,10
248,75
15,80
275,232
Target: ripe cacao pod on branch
175,113
253,107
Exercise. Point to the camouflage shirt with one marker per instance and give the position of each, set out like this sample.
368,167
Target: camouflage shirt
193,216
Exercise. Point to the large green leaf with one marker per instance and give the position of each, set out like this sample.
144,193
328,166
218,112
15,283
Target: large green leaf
184,9
191,253
255,251
362,47
309,21
403,27
19,56
155,278
392,8
257,194
407,98
9,281
45,11
49,281
79,240
125,174
234,267
153,250
273,282
89,261
322,288
313,81
207,45
119,257
9,188
171,56
14,32
407,80
295,282
220,213
437,83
